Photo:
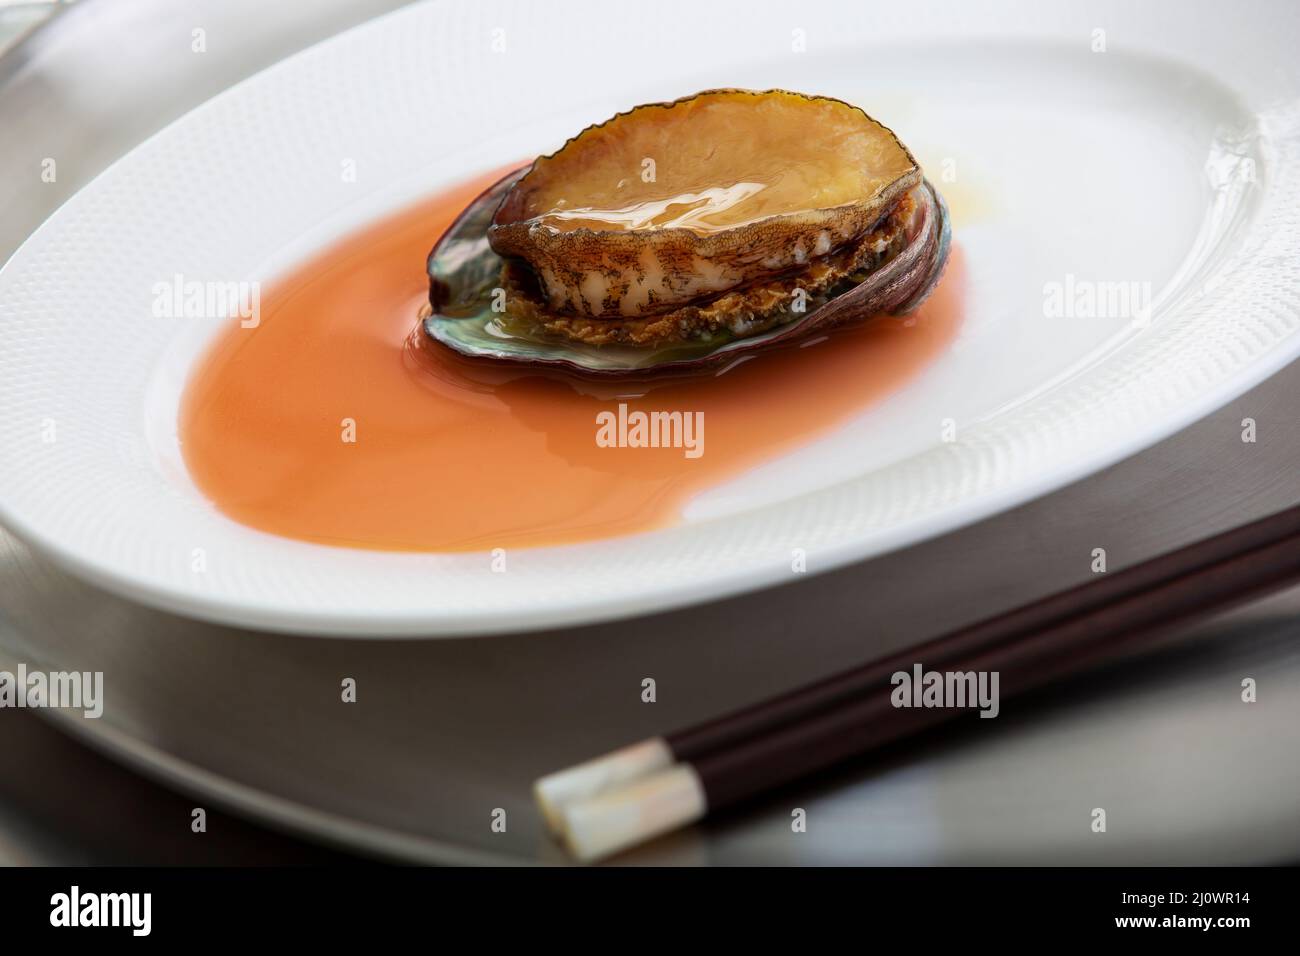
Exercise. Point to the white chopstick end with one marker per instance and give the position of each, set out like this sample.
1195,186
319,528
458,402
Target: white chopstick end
615,820
554,791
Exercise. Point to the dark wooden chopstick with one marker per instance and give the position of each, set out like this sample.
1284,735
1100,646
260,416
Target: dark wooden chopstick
693,742
731,758
1075,644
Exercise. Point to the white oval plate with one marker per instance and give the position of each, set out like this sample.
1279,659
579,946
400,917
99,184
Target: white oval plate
1075,163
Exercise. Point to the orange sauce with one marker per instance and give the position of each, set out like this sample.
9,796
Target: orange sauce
456,455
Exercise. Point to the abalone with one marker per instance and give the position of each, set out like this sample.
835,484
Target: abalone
679,233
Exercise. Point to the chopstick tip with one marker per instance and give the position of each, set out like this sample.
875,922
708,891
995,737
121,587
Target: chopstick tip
555,791
600,826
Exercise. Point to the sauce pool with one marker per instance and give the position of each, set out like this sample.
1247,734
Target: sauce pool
336,421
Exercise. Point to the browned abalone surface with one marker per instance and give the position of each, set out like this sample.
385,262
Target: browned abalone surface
676,204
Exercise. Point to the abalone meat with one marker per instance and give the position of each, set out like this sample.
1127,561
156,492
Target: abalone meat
680,233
